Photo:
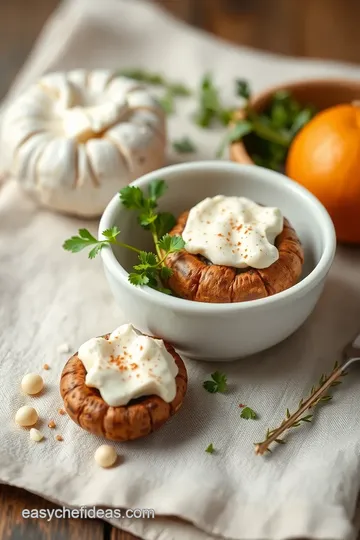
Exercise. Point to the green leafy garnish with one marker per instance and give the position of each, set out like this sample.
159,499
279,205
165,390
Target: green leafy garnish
165,221
167,101
184,146
171,243
155,79
172,89
156,189
150,269
268,134
210,107
240,129
210,449
243,89
217,384
86,239
248,414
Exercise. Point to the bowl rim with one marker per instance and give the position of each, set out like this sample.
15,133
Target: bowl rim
180,304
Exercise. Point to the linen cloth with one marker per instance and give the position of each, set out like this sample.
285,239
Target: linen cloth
306,488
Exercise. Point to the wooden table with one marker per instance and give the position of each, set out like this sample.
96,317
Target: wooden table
321,28
14,527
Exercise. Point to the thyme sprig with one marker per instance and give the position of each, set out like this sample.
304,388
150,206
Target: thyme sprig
317,396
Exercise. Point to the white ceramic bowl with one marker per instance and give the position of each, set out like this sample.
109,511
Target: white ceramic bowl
221,331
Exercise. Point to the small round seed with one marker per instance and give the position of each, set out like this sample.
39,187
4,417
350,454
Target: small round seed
36,435
26,416
32,383
105,455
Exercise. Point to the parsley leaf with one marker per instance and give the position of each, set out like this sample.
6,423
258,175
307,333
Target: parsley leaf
166,272
218,383
78,243
248,414
243,89
147,260
145,219
132,198
164,290
210,449
170,244
184,146
241,128
164,223
157,189
111,233
86,239
94,251
138,279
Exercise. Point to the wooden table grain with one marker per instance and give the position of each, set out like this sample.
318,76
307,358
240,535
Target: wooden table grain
321,28
15,527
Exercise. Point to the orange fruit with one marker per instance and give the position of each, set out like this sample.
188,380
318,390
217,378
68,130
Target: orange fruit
325,158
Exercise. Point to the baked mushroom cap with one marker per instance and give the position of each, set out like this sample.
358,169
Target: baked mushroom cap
195,278
141,416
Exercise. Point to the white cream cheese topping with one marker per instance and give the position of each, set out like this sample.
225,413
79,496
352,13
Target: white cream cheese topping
129,365
233,231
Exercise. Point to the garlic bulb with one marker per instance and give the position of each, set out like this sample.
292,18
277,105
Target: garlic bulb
74,139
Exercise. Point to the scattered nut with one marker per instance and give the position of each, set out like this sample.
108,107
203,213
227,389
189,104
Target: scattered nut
26,416
46,366
59,438
105,455
36,435
51,424
61,411
63,348
32,383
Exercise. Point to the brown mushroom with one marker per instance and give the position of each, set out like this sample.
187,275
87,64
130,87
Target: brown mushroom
141,416
195,278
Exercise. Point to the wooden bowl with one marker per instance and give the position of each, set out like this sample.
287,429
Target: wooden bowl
321,93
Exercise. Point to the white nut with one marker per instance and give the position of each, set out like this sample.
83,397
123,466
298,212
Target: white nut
63,348
26,416
36,435
32,383
105,455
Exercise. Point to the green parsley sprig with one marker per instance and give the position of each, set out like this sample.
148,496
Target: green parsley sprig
217,384
172,90
155,79
151,269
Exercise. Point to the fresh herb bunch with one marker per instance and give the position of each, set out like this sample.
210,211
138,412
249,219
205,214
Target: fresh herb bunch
151,269
269,133
172,89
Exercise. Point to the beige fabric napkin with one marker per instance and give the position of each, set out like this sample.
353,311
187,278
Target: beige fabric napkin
306,488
